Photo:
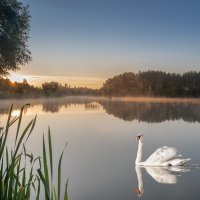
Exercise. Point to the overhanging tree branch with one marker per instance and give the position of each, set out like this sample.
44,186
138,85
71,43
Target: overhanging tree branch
14,34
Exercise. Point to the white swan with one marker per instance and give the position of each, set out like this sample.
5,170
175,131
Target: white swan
164,156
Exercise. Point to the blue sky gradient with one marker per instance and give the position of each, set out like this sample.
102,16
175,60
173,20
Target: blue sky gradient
102,38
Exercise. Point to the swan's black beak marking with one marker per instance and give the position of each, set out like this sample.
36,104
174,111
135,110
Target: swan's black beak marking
139,136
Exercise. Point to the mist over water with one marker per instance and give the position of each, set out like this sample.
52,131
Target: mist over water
152,112
101,151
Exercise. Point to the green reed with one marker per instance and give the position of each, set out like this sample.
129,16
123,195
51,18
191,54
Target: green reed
18,177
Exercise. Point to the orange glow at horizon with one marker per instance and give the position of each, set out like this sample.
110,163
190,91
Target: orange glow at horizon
73,81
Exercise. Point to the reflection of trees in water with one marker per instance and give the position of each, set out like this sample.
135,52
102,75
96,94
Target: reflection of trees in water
51,107
153,112
48,105
55,106
3,110
92,106
128,111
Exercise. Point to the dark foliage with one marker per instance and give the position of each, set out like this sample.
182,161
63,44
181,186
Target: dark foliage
150,83
14,30
56,89
9,89
153,83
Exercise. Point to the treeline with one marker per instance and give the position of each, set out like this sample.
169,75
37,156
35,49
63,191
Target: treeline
9,89
56,89
148,83
153,83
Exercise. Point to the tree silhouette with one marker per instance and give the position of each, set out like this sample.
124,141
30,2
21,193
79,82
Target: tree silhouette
14,30
153,83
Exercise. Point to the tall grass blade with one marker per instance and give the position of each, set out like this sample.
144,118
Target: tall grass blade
47,197
19,121
21,138
38,190
50,152
45,165
51,160
32,127
66,193
17,178
6,132
59,172
55,194
13,121
1,179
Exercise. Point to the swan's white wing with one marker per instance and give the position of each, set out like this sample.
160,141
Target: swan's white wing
161,155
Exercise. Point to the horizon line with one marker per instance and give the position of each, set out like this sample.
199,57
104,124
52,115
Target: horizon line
73,81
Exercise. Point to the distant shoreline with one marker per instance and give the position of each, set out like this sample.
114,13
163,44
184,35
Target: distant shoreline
153,85
103,98
158,99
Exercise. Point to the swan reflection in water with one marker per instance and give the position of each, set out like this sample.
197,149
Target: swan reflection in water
162,175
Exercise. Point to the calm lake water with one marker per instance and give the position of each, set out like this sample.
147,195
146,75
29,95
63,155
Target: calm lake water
100,157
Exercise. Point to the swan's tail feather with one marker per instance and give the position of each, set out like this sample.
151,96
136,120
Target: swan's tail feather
183,161
177,162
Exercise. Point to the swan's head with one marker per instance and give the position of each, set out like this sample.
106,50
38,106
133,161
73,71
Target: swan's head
139,137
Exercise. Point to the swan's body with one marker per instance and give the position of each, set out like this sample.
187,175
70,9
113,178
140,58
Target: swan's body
164,156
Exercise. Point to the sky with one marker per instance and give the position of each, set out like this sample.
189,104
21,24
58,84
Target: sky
84,42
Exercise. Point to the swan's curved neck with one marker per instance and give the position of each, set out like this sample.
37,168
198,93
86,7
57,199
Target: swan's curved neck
138,159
